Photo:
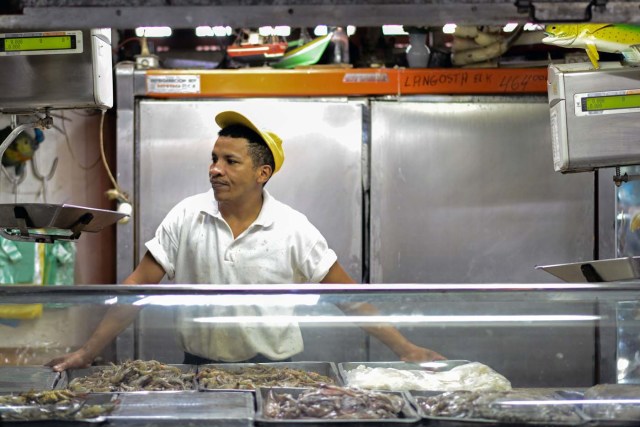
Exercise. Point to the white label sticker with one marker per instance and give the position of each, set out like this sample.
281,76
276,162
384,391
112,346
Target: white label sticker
365,78
555,140
173,84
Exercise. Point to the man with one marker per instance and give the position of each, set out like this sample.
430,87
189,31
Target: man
237,233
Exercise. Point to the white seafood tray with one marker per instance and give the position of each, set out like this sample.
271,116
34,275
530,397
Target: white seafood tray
184,409
25,378
408,415
328,369
70,374
507,412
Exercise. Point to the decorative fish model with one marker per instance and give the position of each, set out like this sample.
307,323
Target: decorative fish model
21,149
611,38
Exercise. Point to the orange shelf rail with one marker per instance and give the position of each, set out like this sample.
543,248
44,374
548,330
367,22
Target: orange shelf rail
343,82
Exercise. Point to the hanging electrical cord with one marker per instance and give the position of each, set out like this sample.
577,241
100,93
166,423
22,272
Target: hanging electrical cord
125,41
87,113
68,142
115,193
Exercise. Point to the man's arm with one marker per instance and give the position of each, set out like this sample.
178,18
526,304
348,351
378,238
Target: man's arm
386,333
115,320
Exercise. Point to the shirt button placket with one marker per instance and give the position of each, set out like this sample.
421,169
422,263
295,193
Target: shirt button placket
228,253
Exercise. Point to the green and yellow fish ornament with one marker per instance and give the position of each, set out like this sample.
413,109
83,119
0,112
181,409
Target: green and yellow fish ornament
594,38
21,150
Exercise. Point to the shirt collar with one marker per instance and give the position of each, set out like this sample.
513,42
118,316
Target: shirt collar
265,218
210,205
267,214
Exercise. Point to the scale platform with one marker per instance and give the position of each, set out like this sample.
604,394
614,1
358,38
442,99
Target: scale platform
45,223
604,270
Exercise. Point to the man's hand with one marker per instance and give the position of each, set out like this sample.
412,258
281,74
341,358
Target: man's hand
116,319
78,359
389,335
414,353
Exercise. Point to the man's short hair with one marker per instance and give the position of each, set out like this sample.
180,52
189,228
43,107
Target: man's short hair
258,149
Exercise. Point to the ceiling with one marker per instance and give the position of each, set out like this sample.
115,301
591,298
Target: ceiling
123,14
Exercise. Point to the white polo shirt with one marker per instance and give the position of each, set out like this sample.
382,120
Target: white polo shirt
195,245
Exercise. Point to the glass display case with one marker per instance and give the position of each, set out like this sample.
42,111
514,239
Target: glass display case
576,345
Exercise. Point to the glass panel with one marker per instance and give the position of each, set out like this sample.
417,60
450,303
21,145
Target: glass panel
496,338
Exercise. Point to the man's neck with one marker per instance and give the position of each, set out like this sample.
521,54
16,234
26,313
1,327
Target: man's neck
241,214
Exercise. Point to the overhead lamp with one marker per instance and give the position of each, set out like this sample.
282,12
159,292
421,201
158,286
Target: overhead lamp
320,30
510,27
323,30
393,30
533,27
449,28
204,31
153,31
218,31
410,319
229,300
280,30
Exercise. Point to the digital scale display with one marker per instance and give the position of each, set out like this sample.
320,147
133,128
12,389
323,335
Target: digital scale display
37,43
611,102
51,43
615,102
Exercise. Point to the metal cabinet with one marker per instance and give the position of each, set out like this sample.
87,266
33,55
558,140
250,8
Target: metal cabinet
463,191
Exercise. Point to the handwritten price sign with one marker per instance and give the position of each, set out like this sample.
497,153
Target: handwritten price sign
522,83
472,81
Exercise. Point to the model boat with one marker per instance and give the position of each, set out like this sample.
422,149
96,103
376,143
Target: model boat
307,54
257,50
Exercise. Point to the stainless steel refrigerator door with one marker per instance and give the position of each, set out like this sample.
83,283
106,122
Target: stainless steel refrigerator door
463,191
321,177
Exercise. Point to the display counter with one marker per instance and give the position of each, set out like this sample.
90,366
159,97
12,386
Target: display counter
558,340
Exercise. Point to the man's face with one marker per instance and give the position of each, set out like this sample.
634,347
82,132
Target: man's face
232,173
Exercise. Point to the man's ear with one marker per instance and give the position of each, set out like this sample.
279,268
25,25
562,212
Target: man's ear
264,173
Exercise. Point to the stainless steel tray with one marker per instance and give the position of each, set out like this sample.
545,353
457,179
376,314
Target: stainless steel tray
435,366
42,222
187,408
69,375
25,378
612,404
510,414
327,369
604,270
408,415
55,415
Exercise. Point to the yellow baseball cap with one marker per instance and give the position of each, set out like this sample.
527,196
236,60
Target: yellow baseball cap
273,141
